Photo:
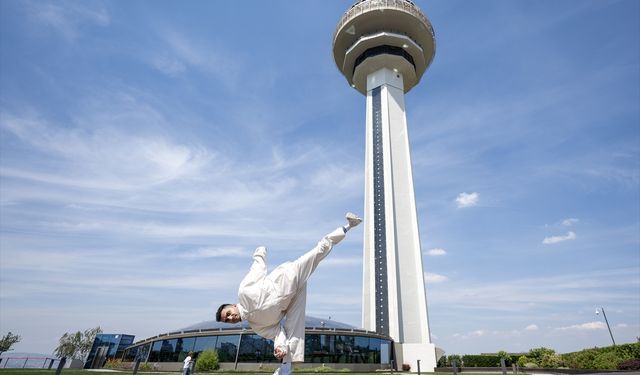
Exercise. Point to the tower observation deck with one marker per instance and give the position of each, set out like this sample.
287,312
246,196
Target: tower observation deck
383,47
374,34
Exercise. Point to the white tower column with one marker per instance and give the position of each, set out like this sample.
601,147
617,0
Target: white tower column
394,301
383,47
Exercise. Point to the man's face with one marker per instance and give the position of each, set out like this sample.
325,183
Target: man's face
230,314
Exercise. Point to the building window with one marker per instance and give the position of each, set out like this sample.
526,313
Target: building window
383,50
168,351
154,356
205,343
184,346
227,348
254,348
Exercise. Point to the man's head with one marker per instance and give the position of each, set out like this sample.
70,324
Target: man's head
228,313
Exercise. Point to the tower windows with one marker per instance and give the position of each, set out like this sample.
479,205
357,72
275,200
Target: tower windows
379,217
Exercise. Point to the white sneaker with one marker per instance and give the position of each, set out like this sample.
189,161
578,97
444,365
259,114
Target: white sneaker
353,219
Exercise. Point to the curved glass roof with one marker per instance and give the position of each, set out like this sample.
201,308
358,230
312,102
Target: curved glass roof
309,322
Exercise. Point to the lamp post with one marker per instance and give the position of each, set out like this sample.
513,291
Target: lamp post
607,321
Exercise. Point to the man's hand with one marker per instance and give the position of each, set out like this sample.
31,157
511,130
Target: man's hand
280,352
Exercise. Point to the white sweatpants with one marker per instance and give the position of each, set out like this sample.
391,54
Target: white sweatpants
296,312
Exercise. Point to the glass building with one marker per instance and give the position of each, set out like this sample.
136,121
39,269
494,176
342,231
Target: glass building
327,342
107,346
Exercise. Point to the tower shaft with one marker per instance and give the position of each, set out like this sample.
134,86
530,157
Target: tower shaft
394,300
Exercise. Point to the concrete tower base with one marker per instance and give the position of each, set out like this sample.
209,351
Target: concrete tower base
410,354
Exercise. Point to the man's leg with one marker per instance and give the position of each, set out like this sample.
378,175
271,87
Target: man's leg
306,264
294,324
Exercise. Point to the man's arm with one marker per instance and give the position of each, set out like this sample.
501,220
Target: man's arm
258,267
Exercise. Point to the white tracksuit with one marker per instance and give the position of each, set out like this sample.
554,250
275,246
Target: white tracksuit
264,300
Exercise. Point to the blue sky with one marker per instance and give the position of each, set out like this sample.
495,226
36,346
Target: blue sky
146,148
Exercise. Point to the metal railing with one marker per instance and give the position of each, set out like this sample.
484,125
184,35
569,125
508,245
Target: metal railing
29,362
369,5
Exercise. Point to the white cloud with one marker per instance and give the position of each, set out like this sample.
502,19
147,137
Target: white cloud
434,278
467,199
472,334
584,327
67,18
531,327
213,252
569,222
101,157
436,252
523,295
555,239
180,53
337,261
478,333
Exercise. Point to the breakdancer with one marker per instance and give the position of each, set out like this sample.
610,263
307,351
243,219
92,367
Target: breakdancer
265,300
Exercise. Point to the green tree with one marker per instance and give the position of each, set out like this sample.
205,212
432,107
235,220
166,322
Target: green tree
525,361
537,353
549,360
7,341
207,361
504,355
455,357
76,345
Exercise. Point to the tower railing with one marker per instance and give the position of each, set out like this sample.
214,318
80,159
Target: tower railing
371,5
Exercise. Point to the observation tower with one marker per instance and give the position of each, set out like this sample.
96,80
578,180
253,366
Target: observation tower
383,47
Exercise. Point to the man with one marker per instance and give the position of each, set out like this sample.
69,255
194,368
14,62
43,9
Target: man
186,368
264,300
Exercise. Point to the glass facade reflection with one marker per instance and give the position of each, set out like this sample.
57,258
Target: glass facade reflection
319,348
326,342
107,346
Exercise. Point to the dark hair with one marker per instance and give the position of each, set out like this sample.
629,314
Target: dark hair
219,312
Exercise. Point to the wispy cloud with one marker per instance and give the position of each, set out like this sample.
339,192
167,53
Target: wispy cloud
436,252
100,158
556,239
467,199
569,222
66,18
432,278
521,295
214,252
178,54
472,334
583,327
531,327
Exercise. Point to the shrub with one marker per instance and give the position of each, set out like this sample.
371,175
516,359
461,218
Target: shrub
145,367
114,364
406,367
442,362
550,360
632,364
609,357
481,360
507,358
207,361
537,353
454,357
525,361
607,361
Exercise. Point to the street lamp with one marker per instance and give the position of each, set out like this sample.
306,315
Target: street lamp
607,321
